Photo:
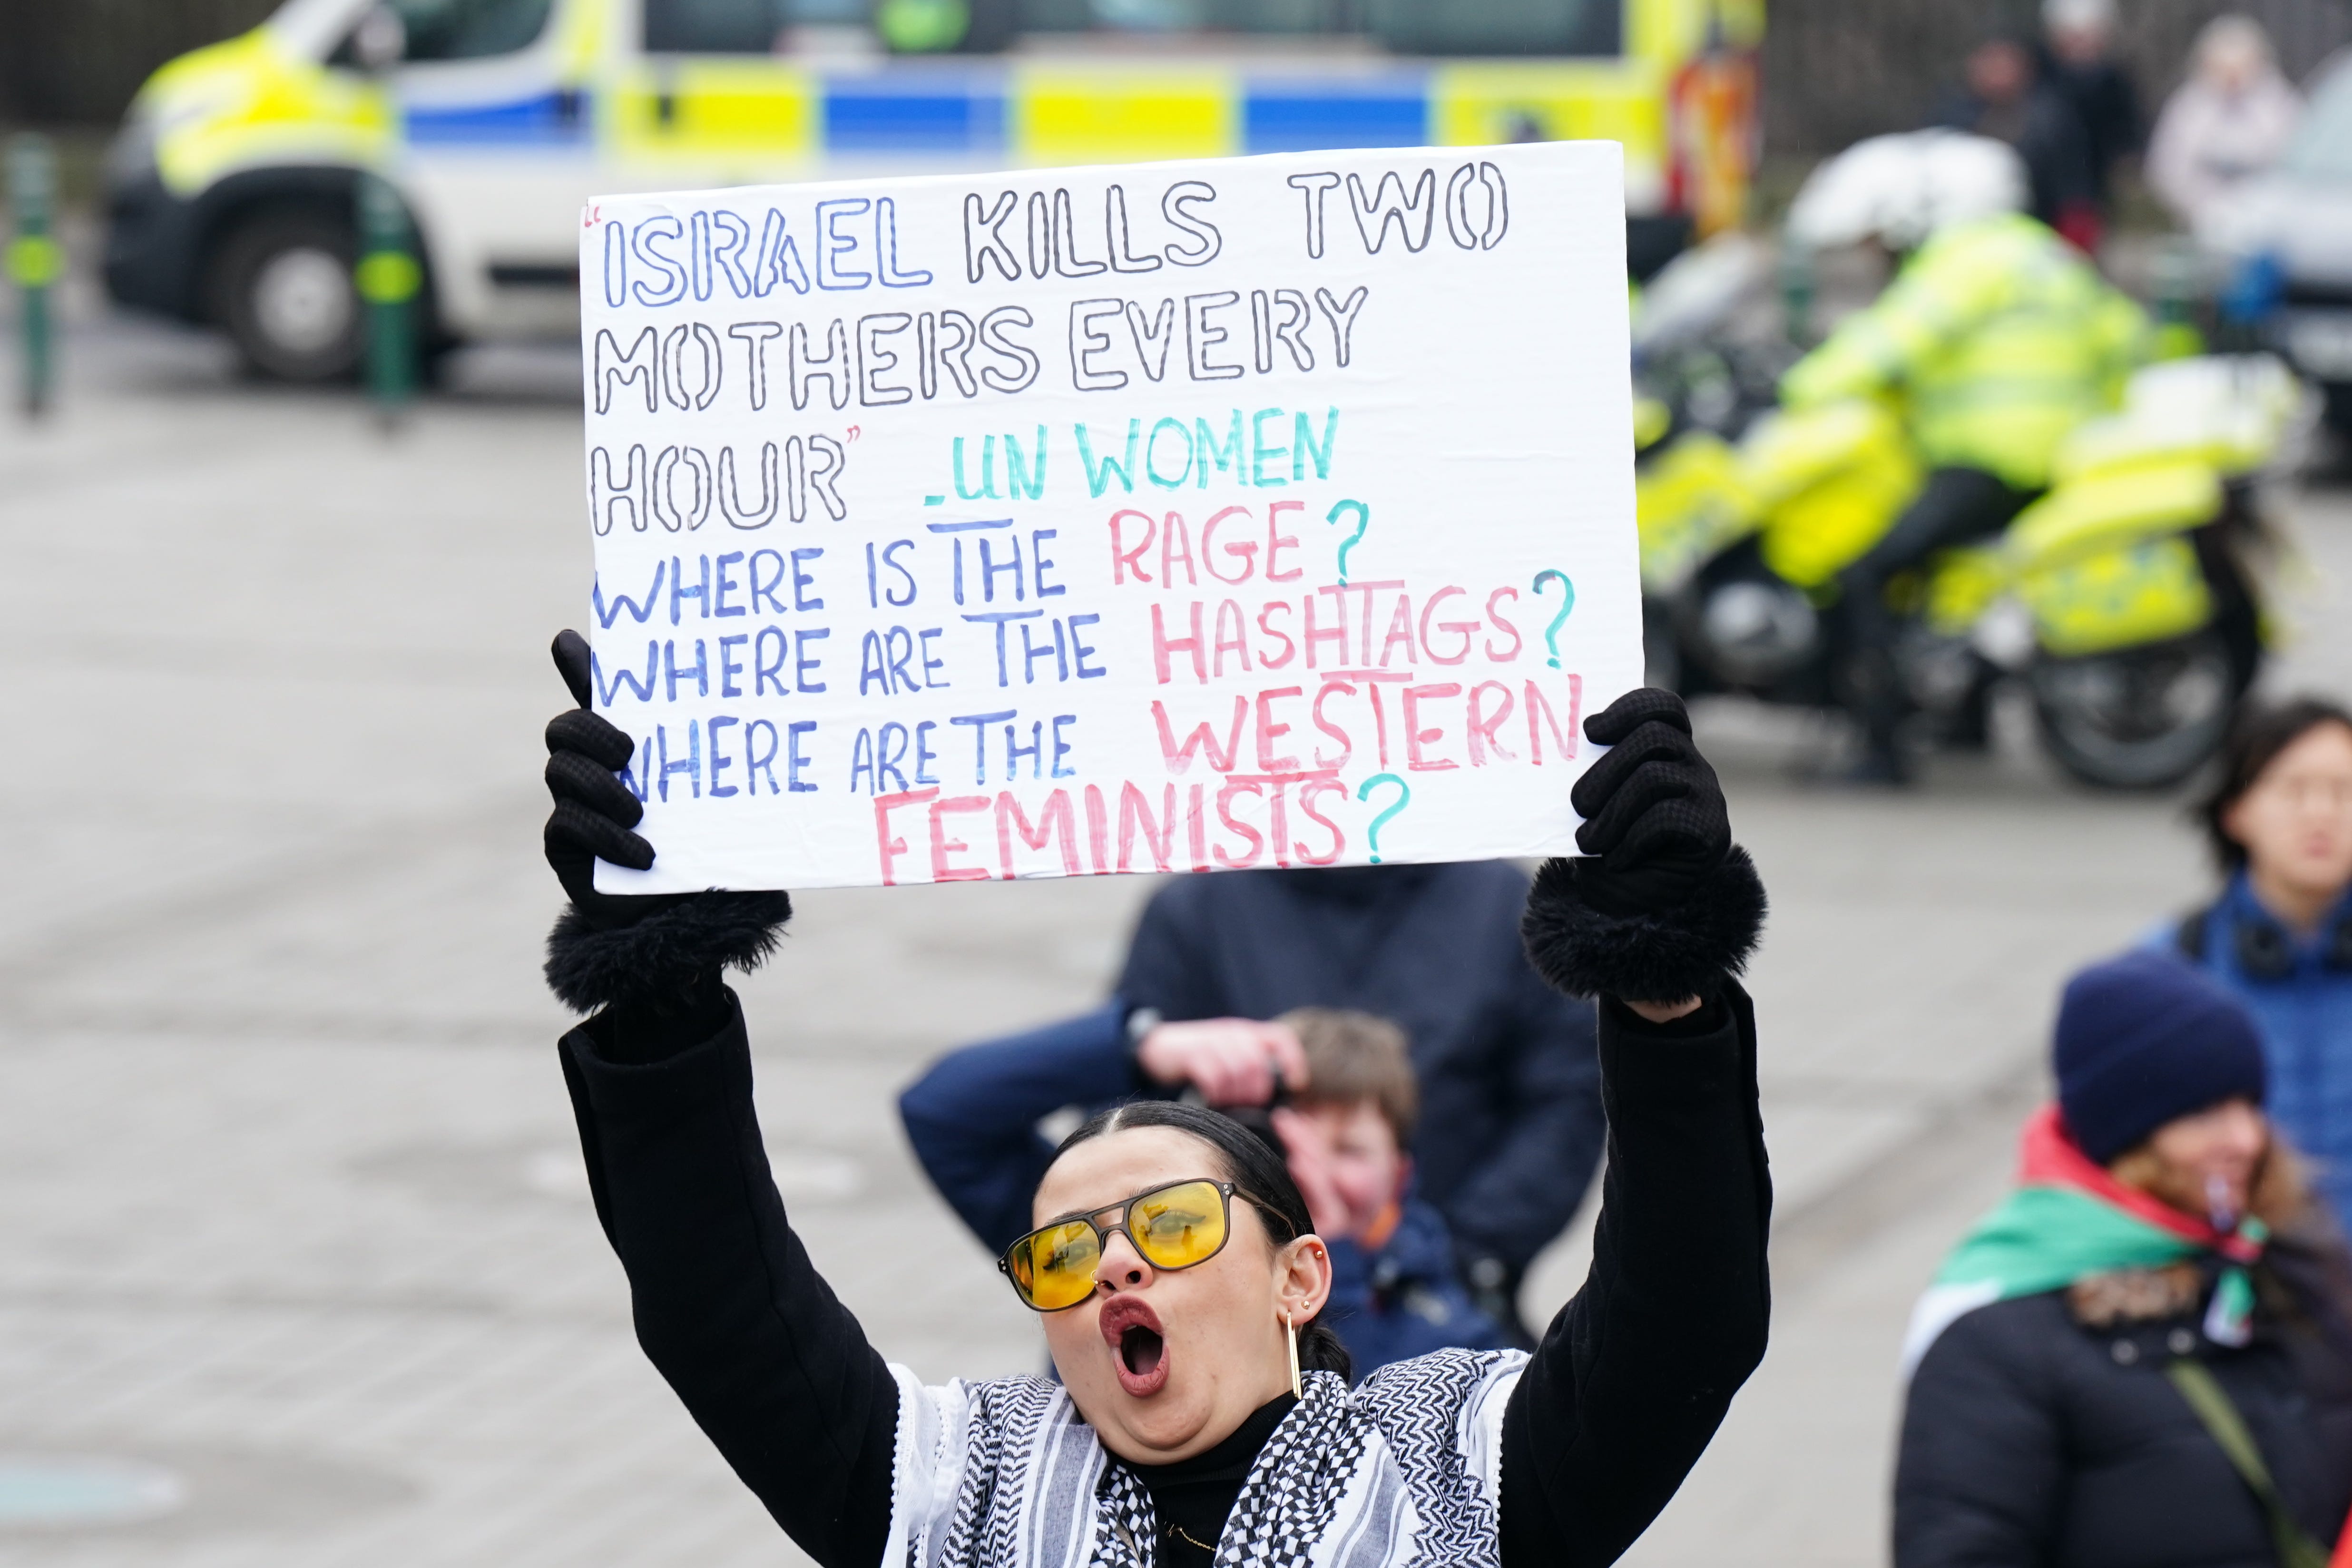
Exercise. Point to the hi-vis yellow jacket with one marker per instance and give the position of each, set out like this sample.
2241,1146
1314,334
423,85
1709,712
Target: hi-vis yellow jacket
1995,340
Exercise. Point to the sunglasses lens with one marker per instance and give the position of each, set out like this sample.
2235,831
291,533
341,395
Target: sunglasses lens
1178,1227
1055,1268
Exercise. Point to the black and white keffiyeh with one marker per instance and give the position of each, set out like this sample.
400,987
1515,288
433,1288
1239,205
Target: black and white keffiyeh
1403,1470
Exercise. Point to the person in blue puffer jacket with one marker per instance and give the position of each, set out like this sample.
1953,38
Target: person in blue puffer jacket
2280,936
1334,1091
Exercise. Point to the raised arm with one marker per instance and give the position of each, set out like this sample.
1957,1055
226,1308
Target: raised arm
727,1304
1635,1374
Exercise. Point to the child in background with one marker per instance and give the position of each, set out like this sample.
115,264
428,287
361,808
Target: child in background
1343,1117
1345,1134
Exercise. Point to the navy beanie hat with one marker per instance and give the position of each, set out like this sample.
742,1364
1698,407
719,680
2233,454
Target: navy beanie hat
2143,1039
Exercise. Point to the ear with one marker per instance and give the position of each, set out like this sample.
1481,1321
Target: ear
2232,815
1302,1279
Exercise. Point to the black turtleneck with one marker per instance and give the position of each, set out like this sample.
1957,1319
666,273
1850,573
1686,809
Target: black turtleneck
1193,1496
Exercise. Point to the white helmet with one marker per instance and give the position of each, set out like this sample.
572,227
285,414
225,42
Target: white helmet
1903,188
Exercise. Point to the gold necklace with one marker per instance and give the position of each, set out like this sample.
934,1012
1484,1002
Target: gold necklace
1178,1529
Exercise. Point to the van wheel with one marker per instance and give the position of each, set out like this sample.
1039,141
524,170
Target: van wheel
283,286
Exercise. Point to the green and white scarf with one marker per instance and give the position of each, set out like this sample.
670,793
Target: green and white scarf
2068,1219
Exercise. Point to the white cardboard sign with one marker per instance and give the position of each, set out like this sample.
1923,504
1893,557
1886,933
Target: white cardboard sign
1263,512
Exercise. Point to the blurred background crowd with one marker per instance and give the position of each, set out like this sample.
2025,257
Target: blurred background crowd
1993,375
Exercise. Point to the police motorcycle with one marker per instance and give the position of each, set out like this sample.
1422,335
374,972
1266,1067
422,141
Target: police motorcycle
2127,597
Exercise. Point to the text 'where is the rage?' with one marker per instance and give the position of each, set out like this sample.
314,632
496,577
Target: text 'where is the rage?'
1180,517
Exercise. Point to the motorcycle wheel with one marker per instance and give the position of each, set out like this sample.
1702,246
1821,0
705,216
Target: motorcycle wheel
2137,719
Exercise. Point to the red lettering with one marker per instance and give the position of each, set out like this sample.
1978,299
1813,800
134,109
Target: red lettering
1057,817
1539,714
1180,758
1289,649
1268,732
891,848
1122,560
1226,815
1338,633
1097,832
1162,646
1347,747
1277,541
1482,729
1307,793
1459,628
942,846
1367,590
1171,533
1134,809
1373,679
1246,552
1497,617
1401,631
1415,736
1196,829
1238,642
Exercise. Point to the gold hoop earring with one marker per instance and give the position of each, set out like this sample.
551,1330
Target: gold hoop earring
1297,1391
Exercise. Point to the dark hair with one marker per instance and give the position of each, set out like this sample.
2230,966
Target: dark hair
2259,733
1258,1175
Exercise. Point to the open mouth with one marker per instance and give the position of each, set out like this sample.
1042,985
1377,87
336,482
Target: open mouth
1138,1343
1139,1349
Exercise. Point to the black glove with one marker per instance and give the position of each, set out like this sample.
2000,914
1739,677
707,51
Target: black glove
654,958
1666,905
593,811
1654,817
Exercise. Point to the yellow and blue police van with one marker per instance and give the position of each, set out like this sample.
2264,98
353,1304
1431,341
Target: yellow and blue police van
231,186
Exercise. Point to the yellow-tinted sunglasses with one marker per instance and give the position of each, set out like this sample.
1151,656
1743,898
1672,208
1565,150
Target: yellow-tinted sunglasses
1174,1226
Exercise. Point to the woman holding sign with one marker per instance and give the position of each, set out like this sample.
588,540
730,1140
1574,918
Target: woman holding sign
1203,1413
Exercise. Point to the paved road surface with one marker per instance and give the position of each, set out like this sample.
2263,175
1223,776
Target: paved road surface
288,1205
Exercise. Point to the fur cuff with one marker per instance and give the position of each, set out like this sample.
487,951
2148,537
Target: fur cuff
1685,951
664,954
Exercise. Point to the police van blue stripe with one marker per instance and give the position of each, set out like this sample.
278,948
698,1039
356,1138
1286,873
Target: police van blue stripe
1309,116
876,117
538,120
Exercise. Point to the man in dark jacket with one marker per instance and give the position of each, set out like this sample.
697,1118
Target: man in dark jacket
2079,37
2085,1349
973,1122
1510,1125
2009,98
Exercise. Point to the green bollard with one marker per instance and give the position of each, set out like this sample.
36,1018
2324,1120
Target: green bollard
2173,280
1797,288
35,262
387,279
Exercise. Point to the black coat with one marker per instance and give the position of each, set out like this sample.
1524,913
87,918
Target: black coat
1510,1091
1619,1401
2031,1438
2049,136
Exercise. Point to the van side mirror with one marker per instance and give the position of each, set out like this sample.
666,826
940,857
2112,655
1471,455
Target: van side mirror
380,41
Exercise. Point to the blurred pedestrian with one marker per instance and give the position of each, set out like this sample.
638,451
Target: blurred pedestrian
2230,120
2006,94
1510,1126
2144,1356
1996,339
2279,819
1203,1414
1345,1105
2078,40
